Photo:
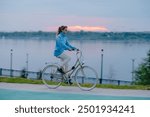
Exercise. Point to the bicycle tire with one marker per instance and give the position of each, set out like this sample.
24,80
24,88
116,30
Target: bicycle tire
86,78
51,77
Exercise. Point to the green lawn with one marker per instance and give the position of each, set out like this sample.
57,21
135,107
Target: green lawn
29,81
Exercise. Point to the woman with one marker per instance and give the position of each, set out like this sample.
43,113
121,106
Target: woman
61,46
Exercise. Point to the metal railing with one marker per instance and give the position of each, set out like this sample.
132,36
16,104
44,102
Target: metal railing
37,75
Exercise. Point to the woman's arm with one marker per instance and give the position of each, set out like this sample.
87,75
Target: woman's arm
67,43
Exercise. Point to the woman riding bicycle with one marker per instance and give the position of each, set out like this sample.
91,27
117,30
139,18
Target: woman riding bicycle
53,75
61,46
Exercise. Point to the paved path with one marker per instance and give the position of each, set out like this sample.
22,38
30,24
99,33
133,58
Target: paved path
76,90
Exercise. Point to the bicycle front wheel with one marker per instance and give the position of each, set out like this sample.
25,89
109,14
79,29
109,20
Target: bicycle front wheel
51,77
86,78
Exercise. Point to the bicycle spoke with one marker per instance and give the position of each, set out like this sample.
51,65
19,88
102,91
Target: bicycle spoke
86,78
51,77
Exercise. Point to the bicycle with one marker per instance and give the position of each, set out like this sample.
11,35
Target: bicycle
85,76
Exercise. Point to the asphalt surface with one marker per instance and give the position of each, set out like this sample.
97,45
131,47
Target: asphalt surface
76,90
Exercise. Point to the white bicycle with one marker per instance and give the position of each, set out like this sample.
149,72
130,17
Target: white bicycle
85,77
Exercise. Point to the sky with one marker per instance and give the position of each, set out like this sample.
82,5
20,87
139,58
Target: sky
87,15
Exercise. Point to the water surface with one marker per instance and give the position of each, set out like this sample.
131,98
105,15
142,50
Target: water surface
117,62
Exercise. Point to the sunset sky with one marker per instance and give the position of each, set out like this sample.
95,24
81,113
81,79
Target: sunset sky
88,15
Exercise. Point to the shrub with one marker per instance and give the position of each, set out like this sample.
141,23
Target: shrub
142,74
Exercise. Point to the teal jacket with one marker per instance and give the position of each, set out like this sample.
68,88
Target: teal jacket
62,44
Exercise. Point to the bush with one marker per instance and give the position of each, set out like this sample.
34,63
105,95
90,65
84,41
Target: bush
142,74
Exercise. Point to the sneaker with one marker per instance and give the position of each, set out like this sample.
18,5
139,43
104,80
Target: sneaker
61,70
70,82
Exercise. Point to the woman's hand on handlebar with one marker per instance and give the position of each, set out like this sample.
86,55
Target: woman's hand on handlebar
75,49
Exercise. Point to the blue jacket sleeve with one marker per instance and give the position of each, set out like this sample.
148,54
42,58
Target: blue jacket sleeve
67,43
65,46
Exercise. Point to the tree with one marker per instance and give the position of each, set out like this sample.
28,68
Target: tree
142,74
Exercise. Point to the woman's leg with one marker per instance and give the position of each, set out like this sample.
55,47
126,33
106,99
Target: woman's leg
65,59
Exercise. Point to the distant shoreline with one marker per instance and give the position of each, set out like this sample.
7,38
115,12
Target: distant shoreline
78,35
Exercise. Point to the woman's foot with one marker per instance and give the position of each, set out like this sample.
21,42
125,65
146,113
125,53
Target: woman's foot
61,70
70,82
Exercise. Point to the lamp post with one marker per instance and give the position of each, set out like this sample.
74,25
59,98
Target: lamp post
27,63
11,62
133,60
101,74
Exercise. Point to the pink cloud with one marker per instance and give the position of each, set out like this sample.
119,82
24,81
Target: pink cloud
88,28
77,23
79,28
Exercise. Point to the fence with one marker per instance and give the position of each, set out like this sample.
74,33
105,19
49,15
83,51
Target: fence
20,73
37,75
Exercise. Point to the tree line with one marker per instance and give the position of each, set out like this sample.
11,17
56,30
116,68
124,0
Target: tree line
78,35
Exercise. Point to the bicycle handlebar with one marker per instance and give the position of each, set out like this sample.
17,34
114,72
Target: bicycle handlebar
78,53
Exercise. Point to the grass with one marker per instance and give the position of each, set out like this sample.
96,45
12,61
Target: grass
30,81
138,87
20,80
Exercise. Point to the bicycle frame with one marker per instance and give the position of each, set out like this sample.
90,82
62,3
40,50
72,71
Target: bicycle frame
77,64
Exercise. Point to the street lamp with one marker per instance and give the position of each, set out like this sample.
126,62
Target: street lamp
133,60
11,62
27,63
27,58
101,75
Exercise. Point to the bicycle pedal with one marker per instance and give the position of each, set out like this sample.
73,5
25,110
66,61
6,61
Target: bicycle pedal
73,67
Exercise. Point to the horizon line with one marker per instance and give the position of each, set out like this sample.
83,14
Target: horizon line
74,31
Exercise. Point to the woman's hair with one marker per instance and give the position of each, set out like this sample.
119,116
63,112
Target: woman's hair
60,29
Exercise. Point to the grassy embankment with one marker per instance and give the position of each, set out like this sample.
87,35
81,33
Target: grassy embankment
29,81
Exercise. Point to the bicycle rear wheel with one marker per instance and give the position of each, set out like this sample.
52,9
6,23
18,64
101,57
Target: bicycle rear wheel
86,78
51,77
